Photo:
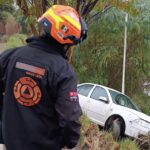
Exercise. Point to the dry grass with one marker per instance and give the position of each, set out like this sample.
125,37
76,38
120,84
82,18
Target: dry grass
143,142
93,139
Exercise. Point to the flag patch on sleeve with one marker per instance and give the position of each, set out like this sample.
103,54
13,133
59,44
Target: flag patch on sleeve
73,96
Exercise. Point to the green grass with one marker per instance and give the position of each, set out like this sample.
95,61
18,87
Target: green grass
128,144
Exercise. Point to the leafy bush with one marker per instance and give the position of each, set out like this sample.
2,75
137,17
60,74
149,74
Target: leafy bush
15,41
143,102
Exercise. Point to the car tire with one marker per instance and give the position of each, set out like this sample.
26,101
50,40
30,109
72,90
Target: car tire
100,127
116,128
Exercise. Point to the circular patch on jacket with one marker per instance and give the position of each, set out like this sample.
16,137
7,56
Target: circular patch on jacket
27,92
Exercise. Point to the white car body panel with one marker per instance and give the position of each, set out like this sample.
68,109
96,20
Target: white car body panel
99,112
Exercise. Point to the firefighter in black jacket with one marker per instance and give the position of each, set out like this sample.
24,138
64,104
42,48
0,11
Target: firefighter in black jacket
38,88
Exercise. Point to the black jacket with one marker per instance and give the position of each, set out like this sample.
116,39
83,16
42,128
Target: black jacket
39,98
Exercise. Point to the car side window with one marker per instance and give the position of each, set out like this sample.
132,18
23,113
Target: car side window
124,101
84,89
99,91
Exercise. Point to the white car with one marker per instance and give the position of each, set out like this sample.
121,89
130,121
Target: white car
112,110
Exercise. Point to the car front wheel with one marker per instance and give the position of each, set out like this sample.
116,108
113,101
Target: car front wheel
116,128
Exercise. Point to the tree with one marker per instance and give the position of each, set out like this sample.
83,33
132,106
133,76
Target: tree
103,50
5,10
6,2
32,9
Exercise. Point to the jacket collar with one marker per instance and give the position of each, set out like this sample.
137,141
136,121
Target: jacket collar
48,44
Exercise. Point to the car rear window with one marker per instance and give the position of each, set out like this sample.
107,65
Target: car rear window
84,89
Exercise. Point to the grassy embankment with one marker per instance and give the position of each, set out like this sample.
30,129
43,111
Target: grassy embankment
93,139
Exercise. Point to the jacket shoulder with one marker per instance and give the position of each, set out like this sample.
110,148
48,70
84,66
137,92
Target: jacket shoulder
8,52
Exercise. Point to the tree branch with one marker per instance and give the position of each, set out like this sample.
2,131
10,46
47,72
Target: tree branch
24,7
89,6
98,13
78,5
55,2
62,2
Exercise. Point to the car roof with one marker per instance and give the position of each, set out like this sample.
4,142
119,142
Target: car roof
100,85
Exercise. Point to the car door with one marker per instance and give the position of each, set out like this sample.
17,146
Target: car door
98,105
83,92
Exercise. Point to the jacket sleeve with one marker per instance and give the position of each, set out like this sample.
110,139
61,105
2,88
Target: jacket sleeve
1,84
68,108
1,101
4,58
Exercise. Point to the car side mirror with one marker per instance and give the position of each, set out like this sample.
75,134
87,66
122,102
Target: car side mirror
104,99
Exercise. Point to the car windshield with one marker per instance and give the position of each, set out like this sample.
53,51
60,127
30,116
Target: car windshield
122,100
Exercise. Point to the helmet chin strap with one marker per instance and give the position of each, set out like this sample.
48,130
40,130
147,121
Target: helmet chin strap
72,38
83,36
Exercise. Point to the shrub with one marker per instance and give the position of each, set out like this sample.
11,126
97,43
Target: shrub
143,102
15,41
